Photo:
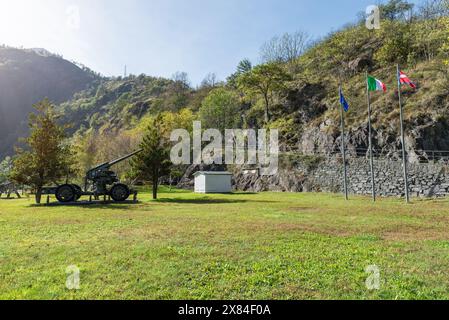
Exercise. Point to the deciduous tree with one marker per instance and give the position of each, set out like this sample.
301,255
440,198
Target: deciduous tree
264,79
285,48
5,169
396,10
180,89
210,81
219,110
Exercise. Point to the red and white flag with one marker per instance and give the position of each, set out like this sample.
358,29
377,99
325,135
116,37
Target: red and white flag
406,80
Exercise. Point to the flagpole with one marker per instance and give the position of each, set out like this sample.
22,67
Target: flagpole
373,183
404,155
343,151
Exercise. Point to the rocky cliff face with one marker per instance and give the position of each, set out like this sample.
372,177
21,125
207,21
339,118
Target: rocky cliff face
250,180
425,139
425,179
284,181
187,180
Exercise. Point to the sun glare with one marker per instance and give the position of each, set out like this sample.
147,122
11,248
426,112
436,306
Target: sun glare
30,23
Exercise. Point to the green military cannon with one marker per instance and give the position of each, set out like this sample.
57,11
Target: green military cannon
99,181
9,188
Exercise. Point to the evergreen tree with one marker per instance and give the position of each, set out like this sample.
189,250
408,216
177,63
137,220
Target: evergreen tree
154,161
48,158
243,67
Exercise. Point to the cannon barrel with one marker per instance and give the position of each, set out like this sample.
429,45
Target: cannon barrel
94,172
111,163
105,166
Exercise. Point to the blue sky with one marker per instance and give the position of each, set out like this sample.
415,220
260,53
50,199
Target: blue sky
160,37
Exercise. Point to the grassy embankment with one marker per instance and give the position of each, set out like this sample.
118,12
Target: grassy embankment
241,246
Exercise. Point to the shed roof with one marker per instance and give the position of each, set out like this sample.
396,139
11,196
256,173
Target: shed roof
212,173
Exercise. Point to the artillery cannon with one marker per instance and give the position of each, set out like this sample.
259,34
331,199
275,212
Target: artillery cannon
99,181
8,188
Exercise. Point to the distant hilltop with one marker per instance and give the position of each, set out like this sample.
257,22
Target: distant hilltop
43,52
26,77
39,51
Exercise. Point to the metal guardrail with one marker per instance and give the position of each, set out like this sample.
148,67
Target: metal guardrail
421,156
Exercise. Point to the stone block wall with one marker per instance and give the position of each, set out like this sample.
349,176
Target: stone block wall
425,179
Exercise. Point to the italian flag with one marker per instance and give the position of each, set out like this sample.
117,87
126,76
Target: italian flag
376,85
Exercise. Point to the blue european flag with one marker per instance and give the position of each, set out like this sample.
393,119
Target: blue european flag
343,102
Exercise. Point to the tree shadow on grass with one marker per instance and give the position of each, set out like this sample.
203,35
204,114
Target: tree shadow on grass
207,200
127,205
243,193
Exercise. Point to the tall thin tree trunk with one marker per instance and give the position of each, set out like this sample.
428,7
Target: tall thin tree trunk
155,185
267,112
38,195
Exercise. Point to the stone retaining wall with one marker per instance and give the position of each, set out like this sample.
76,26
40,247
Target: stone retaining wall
425,179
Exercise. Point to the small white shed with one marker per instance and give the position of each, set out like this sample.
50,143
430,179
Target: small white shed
213,182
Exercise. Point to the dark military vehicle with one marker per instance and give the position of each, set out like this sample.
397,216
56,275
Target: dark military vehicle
99,181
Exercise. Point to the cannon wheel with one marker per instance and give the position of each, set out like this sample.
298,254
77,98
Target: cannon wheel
78,191
120,192
65,193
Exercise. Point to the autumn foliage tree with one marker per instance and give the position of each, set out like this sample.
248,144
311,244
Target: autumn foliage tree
47,158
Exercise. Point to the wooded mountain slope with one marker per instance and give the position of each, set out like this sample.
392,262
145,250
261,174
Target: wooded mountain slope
28,76
304,102
301,100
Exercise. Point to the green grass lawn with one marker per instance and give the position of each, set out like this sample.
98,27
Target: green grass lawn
240,246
